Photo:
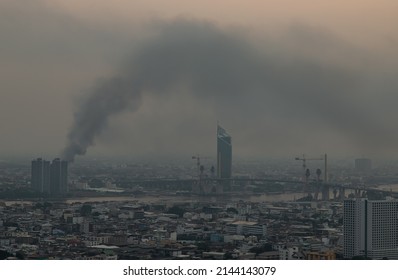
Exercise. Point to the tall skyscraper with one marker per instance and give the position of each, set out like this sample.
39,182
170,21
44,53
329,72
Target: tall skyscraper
49,178
371,228
59,176
224,154
40,175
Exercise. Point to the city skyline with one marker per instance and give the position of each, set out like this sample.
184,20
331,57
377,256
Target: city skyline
304,80
108,145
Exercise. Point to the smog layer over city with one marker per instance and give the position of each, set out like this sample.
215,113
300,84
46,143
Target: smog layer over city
208,130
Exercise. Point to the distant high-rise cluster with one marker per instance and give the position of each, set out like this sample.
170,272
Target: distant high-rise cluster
371,228
224,154
50,178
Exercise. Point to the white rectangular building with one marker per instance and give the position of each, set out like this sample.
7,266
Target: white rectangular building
371,228
246,228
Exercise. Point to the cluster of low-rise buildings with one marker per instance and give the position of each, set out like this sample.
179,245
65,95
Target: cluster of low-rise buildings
119,218
170,230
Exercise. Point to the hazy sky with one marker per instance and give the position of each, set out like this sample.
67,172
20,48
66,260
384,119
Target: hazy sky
283,77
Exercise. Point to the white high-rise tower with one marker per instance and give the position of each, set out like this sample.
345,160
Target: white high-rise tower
371,228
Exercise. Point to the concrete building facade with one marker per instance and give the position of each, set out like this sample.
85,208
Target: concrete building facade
50,178
371,228
40,175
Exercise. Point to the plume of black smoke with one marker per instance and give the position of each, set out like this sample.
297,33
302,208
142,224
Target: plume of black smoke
219,65
109,97
209,60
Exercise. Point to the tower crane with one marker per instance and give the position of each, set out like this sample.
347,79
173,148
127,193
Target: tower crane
304,160
199,166
318,171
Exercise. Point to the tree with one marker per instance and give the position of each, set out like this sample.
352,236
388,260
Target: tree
85,210
228,256
4,255
177,211
264,248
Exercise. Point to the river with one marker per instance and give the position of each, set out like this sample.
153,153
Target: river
164,198
174,198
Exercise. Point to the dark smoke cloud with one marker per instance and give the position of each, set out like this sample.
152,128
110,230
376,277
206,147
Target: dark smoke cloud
224,67
108,98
